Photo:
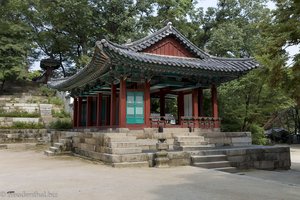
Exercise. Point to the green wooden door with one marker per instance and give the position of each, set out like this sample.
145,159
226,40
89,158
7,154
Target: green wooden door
135,108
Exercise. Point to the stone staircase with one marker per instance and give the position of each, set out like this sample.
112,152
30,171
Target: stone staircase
125,151
60,148
212,159
191,143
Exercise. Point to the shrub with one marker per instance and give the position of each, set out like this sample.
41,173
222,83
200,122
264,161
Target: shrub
258,135
24,125
61,124
60,114
45,91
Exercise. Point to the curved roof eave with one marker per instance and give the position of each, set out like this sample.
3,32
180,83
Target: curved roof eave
90,72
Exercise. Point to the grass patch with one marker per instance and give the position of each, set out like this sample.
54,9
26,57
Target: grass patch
45,91
61,124
55,101
19,114
60,114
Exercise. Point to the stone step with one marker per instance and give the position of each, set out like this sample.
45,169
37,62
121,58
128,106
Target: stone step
122,151
228,169
189,138
120,139
207,152
54,149
122,144
193,148
209,158
49,153
58,145
212,165
131,164
190,143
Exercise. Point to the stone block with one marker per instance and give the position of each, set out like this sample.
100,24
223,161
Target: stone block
87,147
91,141
122,151
179,162
25,119
237,159
241,140
123,145
271,156
235,152
267,165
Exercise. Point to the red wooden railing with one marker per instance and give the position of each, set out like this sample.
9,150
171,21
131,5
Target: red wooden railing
186,121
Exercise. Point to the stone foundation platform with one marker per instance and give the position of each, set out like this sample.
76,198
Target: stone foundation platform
124,148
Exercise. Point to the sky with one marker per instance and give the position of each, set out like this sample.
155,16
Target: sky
205,4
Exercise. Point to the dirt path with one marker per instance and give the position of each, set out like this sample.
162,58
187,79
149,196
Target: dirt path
31,173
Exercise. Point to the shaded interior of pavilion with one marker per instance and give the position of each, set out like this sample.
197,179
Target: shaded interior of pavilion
153,105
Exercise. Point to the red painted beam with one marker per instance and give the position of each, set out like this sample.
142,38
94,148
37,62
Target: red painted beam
147,104
122,102
113,104
99,109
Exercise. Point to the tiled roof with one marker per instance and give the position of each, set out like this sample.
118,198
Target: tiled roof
107,53
209,63
168,30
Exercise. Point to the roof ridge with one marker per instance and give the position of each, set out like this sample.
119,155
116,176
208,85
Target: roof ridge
153,38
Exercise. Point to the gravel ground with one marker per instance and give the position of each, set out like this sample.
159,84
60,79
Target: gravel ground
25,173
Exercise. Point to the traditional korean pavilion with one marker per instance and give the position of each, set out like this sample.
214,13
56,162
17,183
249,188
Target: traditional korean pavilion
115,89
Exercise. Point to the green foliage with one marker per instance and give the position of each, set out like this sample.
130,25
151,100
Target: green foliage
60,114
24,125
34,74
258,136
61,124
14,42
48,92
18,113
56,101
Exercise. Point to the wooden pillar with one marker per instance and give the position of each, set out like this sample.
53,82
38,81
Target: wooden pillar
195,106
200,102
122,103
214,102
89,102
180,106
99,110
162,103
107,114
147,103
113,102
75,110
79,111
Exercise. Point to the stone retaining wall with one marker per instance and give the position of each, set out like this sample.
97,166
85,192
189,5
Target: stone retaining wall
267,158
22,135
